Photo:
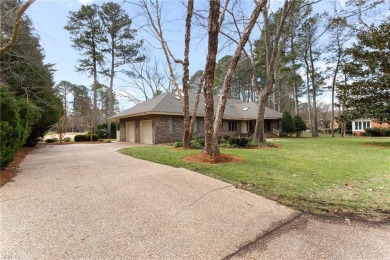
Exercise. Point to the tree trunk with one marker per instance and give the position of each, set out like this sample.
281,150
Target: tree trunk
333,93
213,29
196,103
334,84
295,86
186,76
110,91
95,86
259,128
314,132
308,93
229,75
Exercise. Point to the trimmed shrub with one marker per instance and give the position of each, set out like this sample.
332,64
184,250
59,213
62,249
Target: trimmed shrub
374,132
222,141
201,140
222,144
93,136
50,140
386,132
178,144
260,144
114,127
244,141
253,143
80,138
102,133
195,144
233,141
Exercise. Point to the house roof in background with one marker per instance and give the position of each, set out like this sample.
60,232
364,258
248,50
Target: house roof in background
169,104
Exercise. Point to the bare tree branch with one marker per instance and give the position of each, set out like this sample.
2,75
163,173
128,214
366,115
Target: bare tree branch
17,24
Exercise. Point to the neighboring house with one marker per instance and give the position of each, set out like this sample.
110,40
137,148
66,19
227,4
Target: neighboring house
160,119
359,125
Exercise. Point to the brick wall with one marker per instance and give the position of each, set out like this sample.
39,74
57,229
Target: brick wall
164,133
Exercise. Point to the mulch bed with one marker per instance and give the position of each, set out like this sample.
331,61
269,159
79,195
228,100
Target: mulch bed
204,158
13,167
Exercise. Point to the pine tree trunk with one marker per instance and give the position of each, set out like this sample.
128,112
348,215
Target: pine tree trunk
110,91
314,132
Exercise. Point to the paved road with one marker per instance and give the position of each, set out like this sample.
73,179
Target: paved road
90,202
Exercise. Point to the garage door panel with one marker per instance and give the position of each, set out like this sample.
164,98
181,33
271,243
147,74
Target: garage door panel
146,132
130,132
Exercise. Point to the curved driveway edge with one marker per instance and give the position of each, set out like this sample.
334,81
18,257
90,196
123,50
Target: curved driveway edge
88,201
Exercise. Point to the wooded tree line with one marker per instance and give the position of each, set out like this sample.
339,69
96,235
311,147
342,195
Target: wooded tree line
78,110
29,105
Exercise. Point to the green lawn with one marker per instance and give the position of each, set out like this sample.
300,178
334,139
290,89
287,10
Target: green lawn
319,175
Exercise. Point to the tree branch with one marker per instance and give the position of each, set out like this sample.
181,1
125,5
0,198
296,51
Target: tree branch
17,24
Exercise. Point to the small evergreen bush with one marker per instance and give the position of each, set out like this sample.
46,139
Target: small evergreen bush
233,141
374,132
102,133
244,141
386,132
299,124
50,140
178,144
80,138
287,123
253,143
66,139
195,144
201,140
222,141
94,137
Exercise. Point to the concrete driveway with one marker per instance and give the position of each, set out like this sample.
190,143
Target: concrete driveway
89,202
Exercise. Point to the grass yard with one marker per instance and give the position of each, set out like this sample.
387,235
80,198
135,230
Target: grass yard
332,176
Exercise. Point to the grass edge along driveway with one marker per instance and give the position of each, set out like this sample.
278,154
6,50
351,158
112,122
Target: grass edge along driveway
331,176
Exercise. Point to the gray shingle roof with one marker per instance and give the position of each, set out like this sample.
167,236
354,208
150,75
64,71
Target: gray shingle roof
169,104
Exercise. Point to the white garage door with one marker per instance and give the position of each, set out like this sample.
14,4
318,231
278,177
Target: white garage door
146,132
130,132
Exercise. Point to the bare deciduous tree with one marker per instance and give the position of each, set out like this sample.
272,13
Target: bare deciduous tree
153,11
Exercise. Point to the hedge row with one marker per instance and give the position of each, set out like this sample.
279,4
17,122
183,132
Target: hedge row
227,141
87,137
376,132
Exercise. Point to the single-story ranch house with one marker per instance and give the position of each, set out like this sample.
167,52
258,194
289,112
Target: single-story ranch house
160,119
359,125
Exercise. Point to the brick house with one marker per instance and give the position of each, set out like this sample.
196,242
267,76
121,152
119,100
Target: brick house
359,125
160,119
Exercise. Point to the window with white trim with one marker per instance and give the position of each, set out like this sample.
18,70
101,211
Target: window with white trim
362,125
233,126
